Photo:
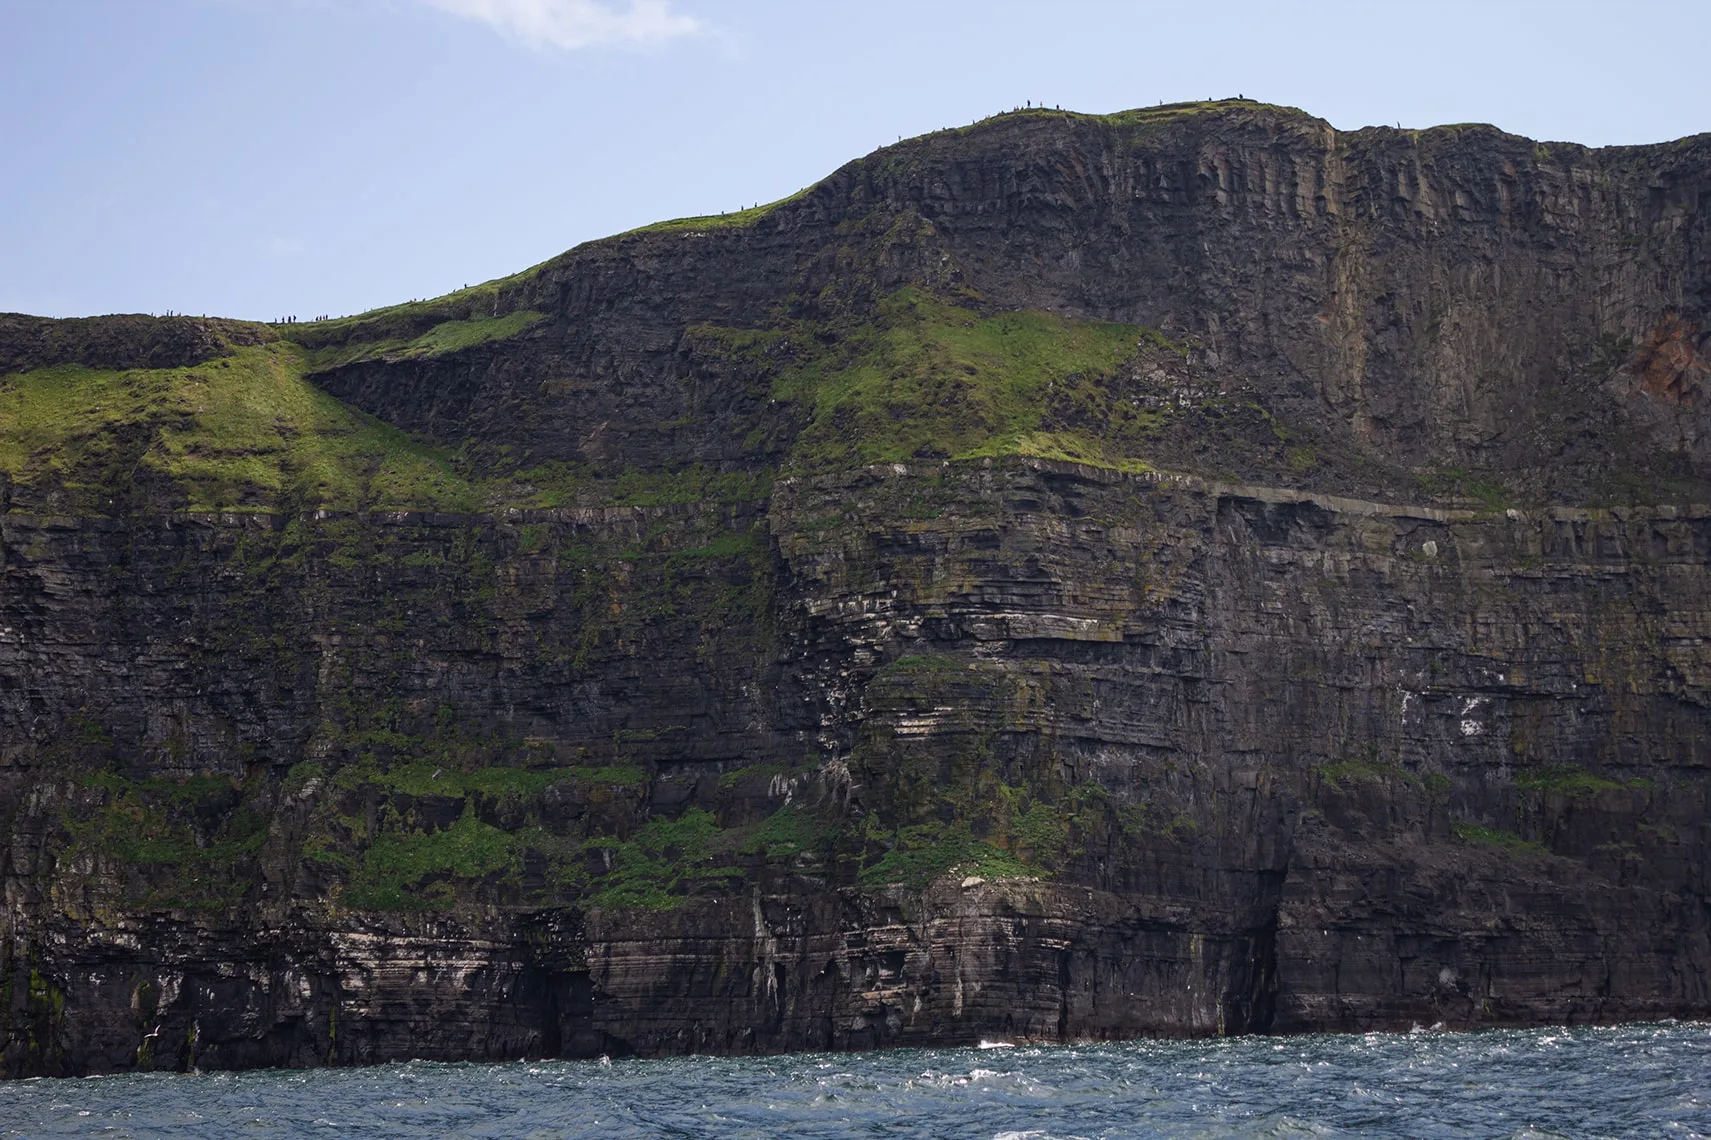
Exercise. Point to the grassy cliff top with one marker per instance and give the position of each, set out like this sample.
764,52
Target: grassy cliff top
245,430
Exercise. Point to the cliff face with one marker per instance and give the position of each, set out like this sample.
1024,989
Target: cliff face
1190,571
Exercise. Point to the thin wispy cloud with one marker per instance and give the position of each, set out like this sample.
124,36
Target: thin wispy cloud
574,24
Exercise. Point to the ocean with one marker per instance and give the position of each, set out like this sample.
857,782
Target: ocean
1637,1080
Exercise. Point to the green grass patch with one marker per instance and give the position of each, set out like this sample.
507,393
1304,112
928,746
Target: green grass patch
1349,771
736,219
1038,833
1483,836
415,870
929,379
667,861
728,781
302,775
172,844
922,853
787,834
658,867
1095,809
404,322
454,336
246,431
923,665
1568,780
1176,112
428,778
531,538
440,340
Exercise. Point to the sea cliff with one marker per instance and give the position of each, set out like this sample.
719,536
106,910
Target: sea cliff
1189,571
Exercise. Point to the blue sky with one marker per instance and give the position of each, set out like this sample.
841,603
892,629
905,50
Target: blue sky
257,158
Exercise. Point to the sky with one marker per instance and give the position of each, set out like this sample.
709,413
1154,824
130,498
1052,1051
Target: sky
263,158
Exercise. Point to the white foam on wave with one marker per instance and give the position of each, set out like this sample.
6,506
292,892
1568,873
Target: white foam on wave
931,1079
997,1045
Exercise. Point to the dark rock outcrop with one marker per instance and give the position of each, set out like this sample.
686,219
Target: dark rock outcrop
1332,653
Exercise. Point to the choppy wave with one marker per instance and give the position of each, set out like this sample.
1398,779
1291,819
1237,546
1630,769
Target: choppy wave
1648,1080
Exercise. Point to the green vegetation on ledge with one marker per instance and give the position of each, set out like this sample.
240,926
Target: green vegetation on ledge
923,852
418,870
733,220
244,431
169,844
1497,837
445,337
925,378
1571,781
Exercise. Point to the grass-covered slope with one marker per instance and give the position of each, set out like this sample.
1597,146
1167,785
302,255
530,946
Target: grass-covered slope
926,378
246,430
447,336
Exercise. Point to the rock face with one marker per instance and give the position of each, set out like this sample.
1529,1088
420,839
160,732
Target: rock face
1183,572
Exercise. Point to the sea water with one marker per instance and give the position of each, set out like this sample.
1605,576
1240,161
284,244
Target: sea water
1642,1080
